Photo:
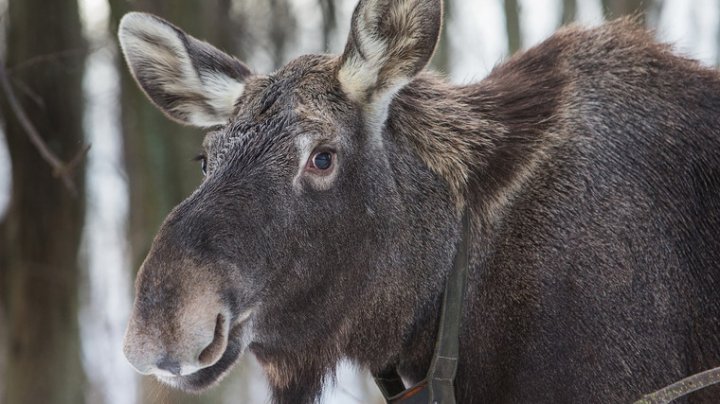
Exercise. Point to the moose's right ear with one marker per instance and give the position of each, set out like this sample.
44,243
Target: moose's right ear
190,80
390,42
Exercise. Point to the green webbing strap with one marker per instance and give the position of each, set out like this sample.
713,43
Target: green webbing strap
390,383
438,387
441,374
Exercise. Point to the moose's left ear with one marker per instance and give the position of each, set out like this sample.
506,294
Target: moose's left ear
390,42
190,80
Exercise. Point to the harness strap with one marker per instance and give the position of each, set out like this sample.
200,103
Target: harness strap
438,385
389,382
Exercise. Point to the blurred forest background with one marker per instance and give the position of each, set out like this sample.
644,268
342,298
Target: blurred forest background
75,223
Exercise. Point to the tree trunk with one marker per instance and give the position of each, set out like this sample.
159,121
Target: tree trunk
441,59
717,42
512,24
159,152
3,302
282,29
618,8
569,11
44,222
329,21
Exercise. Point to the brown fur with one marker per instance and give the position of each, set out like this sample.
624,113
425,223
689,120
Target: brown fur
591,168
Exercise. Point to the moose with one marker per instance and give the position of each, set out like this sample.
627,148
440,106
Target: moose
334,194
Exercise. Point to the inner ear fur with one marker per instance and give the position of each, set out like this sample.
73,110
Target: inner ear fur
190,80
390,42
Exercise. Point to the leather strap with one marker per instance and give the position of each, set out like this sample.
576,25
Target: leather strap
438,385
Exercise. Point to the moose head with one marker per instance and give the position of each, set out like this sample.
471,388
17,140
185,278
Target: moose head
326,221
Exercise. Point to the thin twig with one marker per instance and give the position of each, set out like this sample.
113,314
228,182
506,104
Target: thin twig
47,58
60,169
59,56
24,90
683,387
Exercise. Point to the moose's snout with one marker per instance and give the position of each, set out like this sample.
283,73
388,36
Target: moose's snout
179,356
194,348
176,341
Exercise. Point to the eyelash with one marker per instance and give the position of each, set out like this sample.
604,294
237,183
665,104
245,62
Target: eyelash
202,158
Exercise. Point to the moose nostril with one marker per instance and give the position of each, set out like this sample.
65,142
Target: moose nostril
212,352
169,365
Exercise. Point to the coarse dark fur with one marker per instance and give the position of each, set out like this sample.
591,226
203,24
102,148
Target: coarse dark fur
591,168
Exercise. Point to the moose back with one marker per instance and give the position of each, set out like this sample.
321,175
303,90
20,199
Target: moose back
330,213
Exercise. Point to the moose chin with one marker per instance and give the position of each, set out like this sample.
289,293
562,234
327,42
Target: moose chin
580,180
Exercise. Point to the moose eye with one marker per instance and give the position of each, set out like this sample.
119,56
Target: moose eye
321,162
203,162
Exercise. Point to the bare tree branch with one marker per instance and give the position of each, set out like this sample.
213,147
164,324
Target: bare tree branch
683,387
512,24
26,91
329,22
569,11
60,169
54,57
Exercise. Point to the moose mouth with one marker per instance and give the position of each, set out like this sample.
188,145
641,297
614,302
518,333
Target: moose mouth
209,376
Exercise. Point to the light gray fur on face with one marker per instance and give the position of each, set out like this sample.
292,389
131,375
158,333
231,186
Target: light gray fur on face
191,81
307,145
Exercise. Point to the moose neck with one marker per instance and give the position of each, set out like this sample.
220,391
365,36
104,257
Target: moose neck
485,140
462,134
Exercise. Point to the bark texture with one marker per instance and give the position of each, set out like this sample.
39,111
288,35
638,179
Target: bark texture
618,8
512,24
569,11
42,232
